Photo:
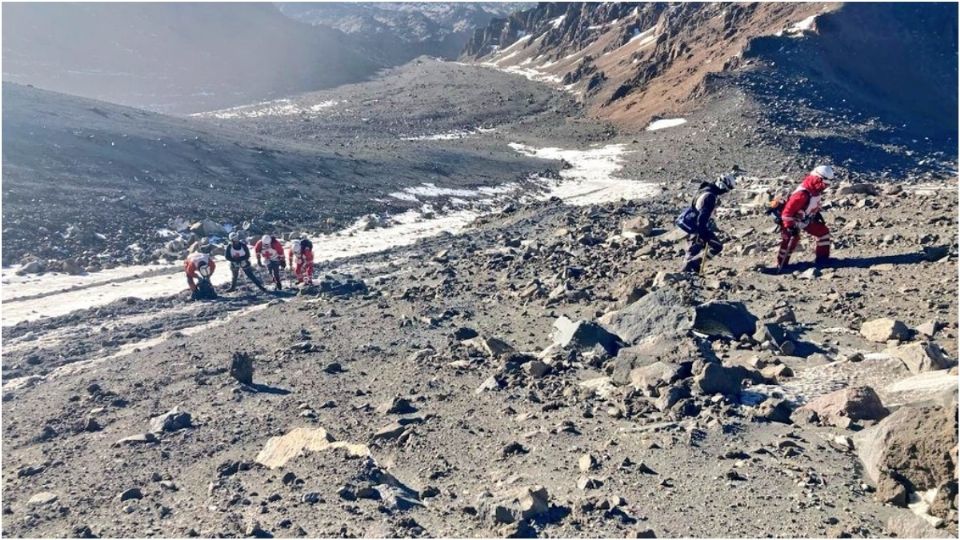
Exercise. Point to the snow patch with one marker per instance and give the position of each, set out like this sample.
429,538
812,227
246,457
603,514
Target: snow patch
279,107
666,123
592,177
450,135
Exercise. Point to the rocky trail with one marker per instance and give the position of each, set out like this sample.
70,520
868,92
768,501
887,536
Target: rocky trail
537,369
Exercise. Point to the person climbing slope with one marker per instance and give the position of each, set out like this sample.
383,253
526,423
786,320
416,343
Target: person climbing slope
199,267
697,221
300,258
238,253
802,213
269,248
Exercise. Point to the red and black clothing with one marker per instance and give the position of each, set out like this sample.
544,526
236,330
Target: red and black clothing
239,256
802,212
300,257
273,253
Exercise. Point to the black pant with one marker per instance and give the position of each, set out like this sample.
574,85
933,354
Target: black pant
695,250
235,272
274,268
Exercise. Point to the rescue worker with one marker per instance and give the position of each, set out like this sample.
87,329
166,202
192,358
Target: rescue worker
704,235
300,258
238,254
269,248
802,213
200,265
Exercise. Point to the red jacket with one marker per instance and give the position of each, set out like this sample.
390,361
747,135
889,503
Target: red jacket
804,203
273,252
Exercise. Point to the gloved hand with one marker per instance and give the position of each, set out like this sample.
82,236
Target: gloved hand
794,230
283,264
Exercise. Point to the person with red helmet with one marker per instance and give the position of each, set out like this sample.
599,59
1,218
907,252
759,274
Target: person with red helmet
300,258
802,213
271,249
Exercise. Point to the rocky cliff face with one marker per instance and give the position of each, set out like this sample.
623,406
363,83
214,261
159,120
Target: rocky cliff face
633,62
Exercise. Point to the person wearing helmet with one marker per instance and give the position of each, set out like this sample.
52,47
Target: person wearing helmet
802,213
300,258
271,249
199,267
704,235
238,254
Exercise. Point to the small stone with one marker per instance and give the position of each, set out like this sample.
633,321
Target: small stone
131,494
513,449
311,497
44,497
586,482
587,463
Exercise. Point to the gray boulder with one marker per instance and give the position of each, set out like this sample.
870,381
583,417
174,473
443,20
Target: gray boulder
718,379
921,356
883,330
663,313
171,421
730,320
584,336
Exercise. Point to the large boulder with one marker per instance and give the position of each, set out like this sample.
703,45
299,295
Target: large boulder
656,375
883,330
918,444
584,336
855,403
718,379
921,356
662,313
520,504
730,320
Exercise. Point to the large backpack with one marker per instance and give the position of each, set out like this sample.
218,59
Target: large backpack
687,220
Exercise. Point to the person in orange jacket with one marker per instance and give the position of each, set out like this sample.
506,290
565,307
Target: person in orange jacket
300,258
802,213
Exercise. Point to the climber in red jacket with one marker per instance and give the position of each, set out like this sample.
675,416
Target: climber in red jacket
300,258
802,213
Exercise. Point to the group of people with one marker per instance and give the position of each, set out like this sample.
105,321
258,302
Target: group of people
800,212
269,253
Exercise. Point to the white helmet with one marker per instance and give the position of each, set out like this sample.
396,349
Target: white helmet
725,182
267,239
823,171
234,237
295,245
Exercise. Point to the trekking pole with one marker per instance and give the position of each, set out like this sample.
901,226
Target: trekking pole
703,263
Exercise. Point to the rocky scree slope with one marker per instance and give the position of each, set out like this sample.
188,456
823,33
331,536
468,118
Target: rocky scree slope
871,86
99,184
546,374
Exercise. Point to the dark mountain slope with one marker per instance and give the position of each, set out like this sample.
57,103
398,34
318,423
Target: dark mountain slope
75,168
